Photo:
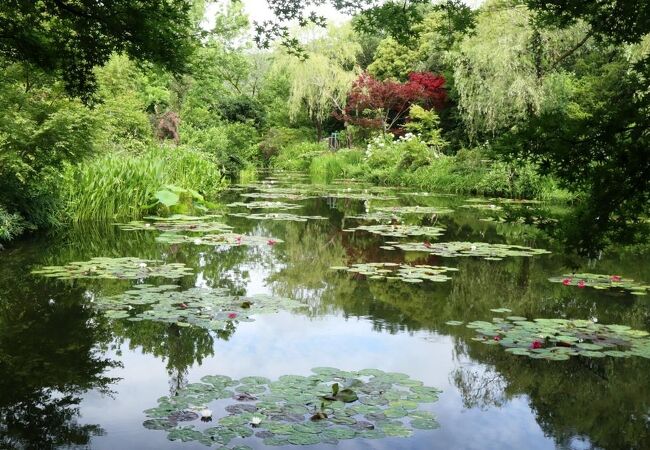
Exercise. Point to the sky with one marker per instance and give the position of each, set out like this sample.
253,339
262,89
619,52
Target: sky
258,10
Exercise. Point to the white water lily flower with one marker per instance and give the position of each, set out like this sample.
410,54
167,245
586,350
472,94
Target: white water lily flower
594,319
51,302
205,413
197,241
142,265
255,420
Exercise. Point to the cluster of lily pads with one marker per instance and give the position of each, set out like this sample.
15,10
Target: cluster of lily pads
402,272
601,281
376,216
414,209
400,231
264,205
277,216
494,252
277,195
227,239
177,223
559,339
115,268
206,308
328,406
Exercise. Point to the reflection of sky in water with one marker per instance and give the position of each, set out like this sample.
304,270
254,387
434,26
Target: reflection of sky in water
282,344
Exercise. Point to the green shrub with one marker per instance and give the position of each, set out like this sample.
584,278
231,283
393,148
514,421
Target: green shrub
11,225
278,138
123,185
298,156
342,164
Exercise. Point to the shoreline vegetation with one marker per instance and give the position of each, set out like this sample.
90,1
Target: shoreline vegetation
429,101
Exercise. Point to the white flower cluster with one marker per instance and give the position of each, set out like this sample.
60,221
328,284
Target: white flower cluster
378,142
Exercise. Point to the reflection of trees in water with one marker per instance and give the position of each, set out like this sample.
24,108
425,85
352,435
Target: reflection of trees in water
48,358
603,400
480,387
181,347
308,253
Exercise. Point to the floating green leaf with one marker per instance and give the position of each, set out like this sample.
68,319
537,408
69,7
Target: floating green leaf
115,268
400,231
277,216
264,205
283,412
202,307
558,339
415,210
480,249
227,239
402,272
601,281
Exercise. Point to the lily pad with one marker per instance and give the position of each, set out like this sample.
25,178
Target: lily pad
284,217
400,231
115,268
479,249
282,414
402,272
601,281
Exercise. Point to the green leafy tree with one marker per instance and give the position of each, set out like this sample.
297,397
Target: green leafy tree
70,38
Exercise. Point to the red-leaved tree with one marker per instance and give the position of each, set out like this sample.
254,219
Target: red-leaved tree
384,104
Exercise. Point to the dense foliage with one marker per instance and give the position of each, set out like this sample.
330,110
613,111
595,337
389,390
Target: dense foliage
525,98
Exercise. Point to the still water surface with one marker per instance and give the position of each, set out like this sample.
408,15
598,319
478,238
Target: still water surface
70,377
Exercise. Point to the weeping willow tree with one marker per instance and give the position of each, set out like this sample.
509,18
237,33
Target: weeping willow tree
507,70
320,83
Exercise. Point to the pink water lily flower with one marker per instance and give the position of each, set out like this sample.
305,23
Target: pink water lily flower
497,338
536,344
232,315
272,242
566,281
581,284
615,278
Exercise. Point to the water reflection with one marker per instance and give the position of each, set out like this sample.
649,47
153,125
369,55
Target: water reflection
51,355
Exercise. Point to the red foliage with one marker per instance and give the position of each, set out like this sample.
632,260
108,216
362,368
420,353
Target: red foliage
383,104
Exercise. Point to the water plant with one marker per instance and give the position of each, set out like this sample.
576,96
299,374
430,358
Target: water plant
277,216
601,281
115,268
263,205
228,239
177,223
494,252
559,339
415,209
403,272
209,308
328,406
400,231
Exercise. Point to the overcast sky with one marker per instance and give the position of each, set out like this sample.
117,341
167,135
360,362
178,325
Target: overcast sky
258,10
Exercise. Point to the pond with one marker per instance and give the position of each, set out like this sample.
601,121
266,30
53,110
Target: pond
319,316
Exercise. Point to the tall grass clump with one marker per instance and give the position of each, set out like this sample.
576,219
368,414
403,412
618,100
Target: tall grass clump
340,164
297,156
11,225
122,185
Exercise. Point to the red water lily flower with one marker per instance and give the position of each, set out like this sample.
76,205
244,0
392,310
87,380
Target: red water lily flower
566,281
616,278
272,242
581,284
232,315
536,344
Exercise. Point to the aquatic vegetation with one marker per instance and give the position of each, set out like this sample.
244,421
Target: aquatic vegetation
483,206
377,216
230,239
415,209
494,252
328,406
559,339
176,223
264,205
278,195
206,308
400,231
403,272
601,281
359,196
115,268
277,216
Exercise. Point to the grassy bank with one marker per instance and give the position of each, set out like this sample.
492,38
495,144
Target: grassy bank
409,163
